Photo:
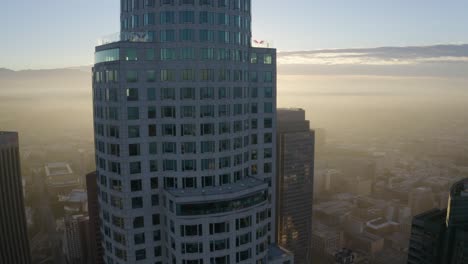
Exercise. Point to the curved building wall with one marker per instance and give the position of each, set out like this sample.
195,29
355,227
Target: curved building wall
184,112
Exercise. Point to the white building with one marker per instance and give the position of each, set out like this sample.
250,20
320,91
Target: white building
185,120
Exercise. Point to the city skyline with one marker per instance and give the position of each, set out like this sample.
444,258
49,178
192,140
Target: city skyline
318,25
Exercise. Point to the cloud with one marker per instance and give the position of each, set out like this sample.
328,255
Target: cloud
439,61
385,56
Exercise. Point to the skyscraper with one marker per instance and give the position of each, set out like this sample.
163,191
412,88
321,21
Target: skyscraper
296,152
185,132
95,238
14,242
441,236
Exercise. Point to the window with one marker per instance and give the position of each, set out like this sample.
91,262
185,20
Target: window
151,130
169,148
150,76
188,75
150,55
139,222
133,113
207,129
207,54
167,93
134,149
167,17
207,146
151,112
189,165
132,94
137,202
156,219
135,167
188,130
168,54
267,153
189,147
139,238
207,111
153,148
149,19
167,35
207,35
190,182
187,53
186,17
268,108
169,130
131,54
267,123
133,131
206,18
208,181
151,94
207,93
188,111
268,92
154,183
218,228
168,75
168,112
267,59
187,93
132,76
253,58
169,165
268,77
208,164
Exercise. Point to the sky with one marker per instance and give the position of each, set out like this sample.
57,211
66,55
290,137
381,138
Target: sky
63,33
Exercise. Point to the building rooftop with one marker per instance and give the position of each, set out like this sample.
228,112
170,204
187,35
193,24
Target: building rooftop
7,137
460,188
58,168
276,253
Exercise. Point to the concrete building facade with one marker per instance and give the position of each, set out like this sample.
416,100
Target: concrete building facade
185,132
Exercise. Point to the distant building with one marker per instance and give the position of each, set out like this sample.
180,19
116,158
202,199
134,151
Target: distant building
75,239
95,250
60,178
344,256
326,241
75,202
296,152
14,242
441,236
421,199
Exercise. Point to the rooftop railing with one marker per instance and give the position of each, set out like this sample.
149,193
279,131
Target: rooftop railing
126,36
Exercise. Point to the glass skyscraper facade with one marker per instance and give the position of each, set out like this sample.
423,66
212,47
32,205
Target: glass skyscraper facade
296,162
441,236
14,241
185,133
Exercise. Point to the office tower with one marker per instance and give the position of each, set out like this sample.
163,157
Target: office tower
14,242
75,239
185,132
441,236
95,249
295,183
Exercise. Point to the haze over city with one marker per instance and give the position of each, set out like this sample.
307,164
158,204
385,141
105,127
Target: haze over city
365,139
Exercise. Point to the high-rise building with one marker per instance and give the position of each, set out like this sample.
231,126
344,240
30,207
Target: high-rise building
441,236
185,132
95,249
14,242
75,239
296,151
